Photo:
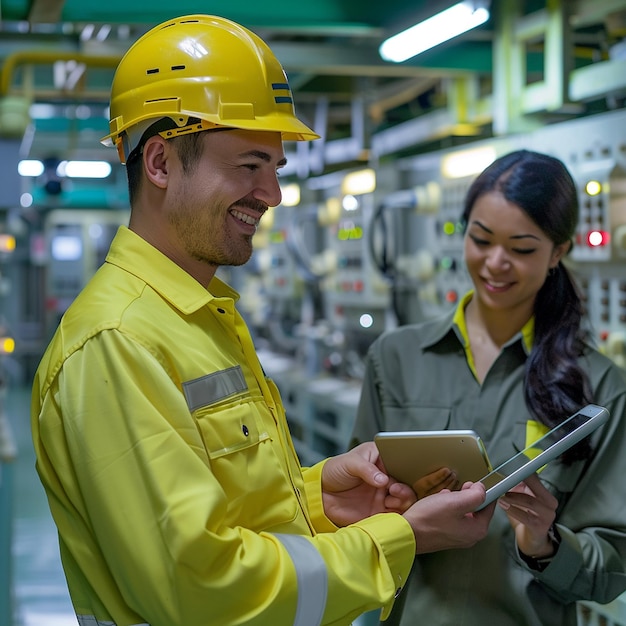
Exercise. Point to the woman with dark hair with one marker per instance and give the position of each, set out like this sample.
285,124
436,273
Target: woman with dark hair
512,361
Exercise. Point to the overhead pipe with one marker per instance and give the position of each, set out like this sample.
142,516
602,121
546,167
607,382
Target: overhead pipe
41,57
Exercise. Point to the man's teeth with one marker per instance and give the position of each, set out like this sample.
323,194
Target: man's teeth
245,218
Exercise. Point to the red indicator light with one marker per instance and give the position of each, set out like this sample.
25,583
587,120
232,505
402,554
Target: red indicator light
451,296
597,238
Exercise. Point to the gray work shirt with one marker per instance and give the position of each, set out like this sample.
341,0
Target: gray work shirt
418,378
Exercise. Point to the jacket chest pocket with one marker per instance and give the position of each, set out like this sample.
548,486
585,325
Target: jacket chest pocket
245,460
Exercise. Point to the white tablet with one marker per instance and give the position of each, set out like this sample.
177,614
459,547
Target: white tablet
541,452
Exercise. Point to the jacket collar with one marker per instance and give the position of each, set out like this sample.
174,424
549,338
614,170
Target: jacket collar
135,255
453,324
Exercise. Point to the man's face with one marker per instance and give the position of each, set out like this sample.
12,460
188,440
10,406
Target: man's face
214,208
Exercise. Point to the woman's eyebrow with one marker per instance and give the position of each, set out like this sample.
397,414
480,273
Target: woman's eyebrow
526,236
481,225
521,236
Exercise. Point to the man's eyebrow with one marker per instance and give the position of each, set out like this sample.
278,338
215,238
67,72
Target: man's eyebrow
264,156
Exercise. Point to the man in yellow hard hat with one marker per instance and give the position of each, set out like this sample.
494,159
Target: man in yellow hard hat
161,444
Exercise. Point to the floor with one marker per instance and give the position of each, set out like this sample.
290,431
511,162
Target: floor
40,594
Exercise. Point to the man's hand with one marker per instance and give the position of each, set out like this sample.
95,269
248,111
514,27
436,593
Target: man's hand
447,520
531,510
355,486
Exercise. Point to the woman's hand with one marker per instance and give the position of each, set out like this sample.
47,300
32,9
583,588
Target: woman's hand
531,510
355,486
434,482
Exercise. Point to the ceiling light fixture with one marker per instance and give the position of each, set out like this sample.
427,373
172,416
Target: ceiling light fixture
84,169
431,32
66,169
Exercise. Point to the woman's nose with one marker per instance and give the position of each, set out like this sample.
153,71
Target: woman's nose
498,259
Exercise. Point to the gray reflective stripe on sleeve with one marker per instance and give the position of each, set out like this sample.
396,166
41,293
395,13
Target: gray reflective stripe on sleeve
214,387
90,620
312,579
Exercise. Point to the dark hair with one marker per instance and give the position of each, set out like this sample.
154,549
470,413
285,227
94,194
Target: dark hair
188,146
555,386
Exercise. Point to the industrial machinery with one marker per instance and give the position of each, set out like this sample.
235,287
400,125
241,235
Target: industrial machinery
394,255
76,244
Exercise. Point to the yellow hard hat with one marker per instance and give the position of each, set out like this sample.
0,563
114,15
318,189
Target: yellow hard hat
203,67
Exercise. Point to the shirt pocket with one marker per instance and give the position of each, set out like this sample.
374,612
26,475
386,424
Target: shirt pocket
417,418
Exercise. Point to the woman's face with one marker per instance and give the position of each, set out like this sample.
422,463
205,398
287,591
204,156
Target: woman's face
507,255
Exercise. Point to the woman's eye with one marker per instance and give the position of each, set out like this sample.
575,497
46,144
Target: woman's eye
523,250
478,241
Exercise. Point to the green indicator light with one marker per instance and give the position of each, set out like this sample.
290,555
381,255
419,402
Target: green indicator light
446,263
448,228
277,236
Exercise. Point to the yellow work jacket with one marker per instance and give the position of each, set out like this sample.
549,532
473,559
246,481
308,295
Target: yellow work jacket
170,473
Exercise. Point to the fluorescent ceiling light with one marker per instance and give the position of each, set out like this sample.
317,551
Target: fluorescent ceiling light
84,169
69,169
435,30
30,167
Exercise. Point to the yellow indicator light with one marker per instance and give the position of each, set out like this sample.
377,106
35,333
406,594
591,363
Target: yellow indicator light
7,243
7,345
593,188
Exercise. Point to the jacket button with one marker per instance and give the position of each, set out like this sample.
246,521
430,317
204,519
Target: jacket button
245,430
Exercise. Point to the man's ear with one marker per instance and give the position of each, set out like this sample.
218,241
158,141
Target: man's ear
155,161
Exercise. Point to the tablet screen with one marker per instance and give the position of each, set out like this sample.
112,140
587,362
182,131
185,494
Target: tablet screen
542,451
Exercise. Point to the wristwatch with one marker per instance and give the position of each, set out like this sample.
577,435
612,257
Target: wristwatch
540,563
